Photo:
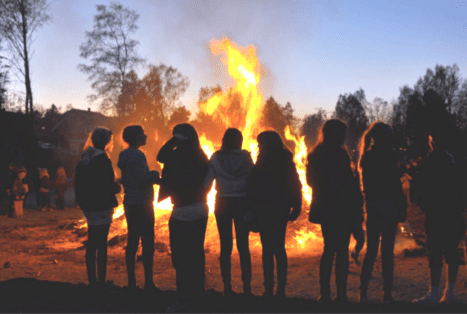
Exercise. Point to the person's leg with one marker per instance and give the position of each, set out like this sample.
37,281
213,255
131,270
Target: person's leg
325,266
102,234
21,208
133,217
243,246
224,226
200,257
342,259
266,236
147,242
453,237
181,248
359,236
16,205
373,231
281,258
435,260
91,247
388,238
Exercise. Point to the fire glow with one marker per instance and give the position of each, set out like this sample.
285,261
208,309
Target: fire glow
244,68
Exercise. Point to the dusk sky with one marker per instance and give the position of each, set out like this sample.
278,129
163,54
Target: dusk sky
311,51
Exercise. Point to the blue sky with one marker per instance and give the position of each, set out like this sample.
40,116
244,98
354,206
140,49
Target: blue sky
311,51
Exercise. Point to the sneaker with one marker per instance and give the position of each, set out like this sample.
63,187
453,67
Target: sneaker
389,299
324,299
427,300
447,299
355,258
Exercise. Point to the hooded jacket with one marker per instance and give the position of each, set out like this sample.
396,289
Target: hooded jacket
231,168
137,180
95,185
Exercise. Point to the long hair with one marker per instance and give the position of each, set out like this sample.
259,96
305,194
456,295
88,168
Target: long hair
331,134
60,177
272,150
233,139
378,134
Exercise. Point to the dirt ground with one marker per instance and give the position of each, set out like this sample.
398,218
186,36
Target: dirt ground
42,269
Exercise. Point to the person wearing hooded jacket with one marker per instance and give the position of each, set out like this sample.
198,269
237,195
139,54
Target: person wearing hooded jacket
231,167
274,188
95,190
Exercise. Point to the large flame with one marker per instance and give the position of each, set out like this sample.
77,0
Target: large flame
244,68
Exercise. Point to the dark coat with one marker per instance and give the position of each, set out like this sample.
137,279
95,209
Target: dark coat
185,168
275,181
95,185
382,179
336,191
439,188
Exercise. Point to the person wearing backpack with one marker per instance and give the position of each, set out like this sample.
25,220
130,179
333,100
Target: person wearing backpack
439,194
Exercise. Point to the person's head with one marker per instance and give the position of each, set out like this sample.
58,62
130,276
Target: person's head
439,137
233,139
187,134
378,134
61,171
43,173
333,132
11,166
21,172
269,139
134,136
102,138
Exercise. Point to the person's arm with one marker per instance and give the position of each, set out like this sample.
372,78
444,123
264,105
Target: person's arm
210,176
296,186
166,151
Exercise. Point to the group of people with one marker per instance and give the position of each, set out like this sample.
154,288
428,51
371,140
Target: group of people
266,195
15,186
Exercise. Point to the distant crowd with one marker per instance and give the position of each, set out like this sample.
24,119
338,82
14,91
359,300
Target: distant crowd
264,197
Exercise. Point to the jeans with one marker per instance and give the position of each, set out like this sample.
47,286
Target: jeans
188,259
97,242
140,221
336,236
228,209
272,226
44,199
387,229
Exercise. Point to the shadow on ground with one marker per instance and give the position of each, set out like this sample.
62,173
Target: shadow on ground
32,295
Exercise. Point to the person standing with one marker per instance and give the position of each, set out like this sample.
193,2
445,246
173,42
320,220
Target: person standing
19,190
231,167
138,183
44,190
95,190
439,191
275,189
185,168
336,204
385,204
60,188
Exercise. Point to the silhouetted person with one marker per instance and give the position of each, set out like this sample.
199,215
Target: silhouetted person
275,188
60,188
95,190
231,167
44,190
138,183
336,204
439,193
19,190
9,179
357,230
185,168
385,204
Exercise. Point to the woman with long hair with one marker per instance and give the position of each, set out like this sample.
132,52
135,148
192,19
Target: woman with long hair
185,168
385,203
275,188
231,167
336,204
95,190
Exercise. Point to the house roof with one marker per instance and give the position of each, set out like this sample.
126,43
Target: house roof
74,115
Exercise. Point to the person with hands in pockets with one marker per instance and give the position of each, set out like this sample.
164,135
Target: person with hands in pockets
138,200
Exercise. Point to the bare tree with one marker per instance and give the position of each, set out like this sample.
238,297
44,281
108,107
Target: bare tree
111,51
378,110
19,20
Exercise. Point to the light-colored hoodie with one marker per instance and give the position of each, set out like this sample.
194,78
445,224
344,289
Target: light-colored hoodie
231,169
137,181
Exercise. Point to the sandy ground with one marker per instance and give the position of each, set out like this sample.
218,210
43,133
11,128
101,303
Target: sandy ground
42,269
